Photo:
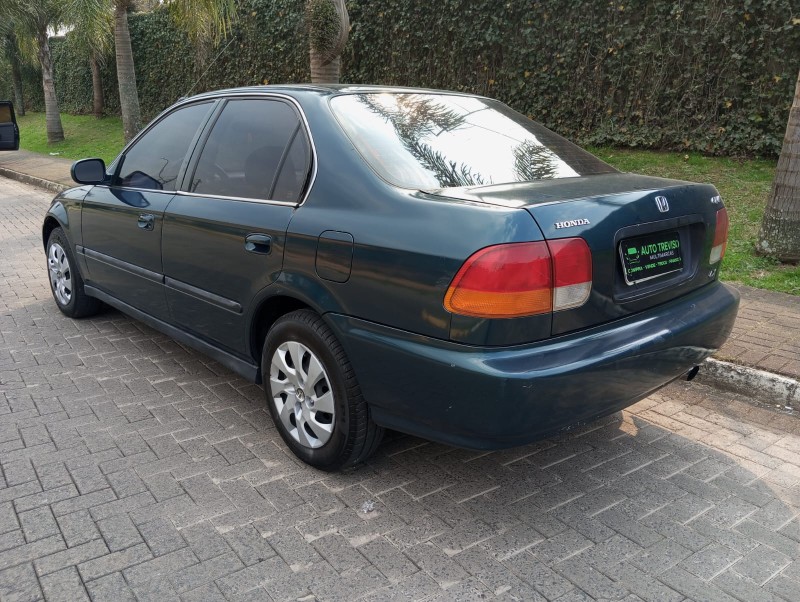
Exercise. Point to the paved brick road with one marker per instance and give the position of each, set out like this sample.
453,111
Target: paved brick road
133,468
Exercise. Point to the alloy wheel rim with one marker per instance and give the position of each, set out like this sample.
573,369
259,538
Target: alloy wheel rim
60,273
302,394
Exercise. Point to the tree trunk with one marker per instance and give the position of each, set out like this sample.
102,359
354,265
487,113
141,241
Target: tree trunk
326,60
322,72
780,228
126,74
55,132
16,77
97,86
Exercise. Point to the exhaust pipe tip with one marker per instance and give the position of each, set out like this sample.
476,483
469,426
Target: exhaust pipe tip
692,373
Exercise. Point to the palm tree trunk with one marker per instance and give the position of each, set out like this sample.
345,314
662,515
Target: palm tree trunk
780,227
16,76
55,132
126,74
97,86
324,72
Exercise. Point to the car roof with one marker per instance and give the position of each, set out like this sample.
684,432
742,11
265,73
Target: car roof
299,90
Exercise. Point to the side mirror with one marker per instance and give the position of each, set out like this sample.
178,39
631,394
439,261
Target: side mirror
89,171
9,132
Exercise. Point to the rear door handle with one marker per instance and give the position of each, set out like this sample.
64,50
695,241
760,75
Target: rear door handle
147,221
258,243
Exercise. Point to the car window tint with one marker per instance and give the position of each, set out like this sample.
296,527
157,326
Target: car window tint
245,149
155,161
294,172
434,141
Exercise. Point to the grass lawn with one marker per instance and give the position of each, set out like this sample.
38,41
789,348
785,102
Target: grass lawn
84,136
744,186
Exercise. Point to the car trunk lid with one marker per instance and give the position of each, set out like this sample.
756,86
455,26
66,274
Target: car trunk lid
650,238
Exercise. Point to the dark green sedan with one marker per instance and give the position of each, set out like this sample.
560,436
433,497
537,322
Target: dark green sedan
418,260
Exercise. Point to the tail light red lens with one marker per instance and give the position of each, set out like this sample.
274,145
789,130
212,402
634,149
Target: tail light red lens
720,237
504,281
522,279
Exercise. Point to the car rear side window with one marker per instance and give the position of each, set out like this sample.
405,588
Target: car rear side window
435,141
155,161
252,141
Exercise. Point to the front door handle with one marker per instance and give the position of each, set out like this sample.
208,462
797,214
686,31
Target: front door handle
147,221
258,243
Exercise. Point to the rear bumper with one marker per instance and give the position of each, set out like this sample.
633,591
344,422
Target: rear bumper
495,397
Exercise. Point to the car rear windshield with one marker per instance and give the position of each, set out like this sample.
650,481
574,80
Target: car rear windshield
435,141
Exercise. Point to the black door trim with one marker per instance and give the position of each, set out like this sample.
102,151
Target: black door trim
203,295
123,265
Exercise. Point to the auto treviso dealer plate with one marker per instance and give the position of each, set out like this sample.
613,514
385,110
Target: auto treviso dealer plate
651,256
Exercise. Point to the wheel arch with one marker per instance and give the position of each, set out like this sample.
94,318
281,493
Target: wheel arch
54,219
266,314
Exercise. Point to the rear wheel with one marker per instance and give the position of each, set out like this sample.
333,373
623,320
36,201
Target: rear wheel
66,283
313,395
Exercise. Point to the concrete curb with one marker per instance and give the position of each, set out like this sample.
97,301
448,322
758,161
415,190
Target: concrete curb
751,382
33,180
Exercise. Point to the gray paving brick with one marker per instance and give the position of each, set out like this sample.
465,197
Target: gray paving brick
661,556
249,545
437,564
204,541
111,588
630,528
772,539
788,589
762,564
418,586
19,584
161,536
160,567
119,532
8,518
114,562
70,557
38,523
642,584
30,551
253,577
78,528
205,572
742,588
692,587
83,502
63,586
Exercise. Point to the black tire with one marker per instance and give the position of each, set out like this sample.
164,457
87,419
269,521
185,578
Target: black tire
354,436
78,304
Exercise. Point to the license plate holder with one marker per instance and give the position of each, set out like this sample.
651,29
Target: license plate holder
651,256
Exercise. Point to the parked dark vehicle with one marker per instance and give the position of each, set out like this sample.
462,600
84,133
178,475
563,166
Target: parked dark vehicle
424,261
9,131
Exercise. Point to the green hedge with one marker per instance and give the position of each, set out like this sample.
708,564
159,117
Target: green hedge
714,76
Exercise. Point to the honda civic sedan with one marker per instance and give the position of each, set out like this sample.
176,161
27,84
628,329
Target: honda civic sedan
424,261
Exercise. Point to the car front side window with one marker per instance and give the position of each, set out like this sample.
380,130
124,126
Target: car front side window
155,161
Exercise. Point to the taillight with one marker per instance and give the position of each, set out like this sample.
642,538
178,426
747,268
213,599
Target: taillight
720,237
572,272
522,279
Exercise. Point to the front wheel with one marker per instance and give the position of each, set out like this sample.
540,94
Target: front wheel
66,283
313,395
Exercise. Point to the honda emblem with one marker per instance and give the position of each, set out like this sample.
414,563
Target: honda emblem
662,204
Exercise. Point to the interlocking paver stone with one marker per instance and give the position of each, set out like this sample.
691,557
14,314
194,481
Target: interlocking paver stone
133,468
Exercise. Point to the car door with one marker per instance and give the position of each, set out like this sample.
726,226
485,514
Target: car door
224,234
9,132
122,222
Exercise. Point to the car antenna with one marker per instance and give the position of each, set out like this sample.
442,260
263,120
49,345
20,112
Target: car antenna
211,64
